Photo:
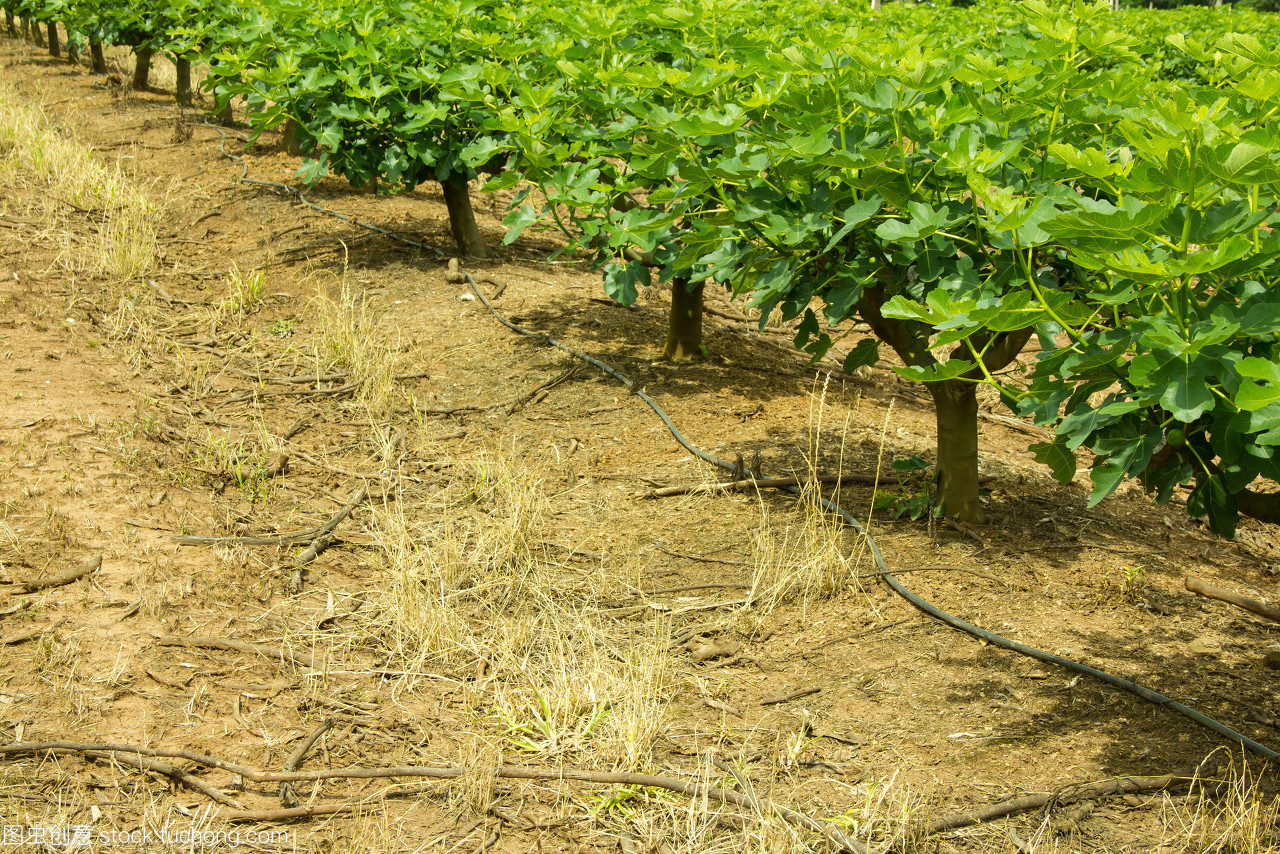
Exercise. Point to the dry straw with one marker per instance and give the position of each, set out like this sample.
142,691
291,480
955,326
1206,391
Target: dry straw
65,181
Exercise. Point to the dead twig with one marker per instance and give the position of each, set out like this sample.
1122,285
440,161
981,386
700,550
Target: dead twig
769,483
787,698
1088,791
173,772
288,797
692,788
281,539
299,658
702,558
1204,588
90,565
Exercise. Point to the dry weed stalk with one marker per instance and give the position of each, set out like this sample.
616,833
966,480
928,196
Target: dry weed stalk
469,587
350,339
66,178
1235,817
813,559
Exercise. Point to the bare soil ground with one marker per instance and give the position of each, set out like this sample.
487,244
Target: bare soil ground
506,596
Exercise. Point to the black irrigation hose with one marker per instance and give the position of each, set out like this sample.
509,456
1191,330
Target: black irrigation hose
930,609
294,191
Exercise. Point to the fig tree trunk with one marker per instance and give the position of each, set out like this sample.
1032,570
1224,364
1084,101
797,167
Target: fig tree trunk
73,50
684,330
37,33
54,50
99,60
183,88
1264,506
955,400
462,219
224,116
291,138
955,404
142,71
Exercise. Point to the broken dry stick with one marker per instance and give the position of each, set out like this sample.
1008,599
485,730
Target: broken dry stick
299,658
67,577
693,788
1086,791
787,698
766,483
288,797
1204,588
280,539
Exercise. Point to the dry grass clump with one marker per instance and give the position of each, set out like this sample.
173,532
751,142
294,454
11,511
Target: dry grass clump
470,587
1236,817
565,687
814,558
350,338
64,178
818,556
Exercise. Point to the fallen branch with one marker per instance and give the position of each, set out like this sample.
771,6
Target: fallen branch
313,551
1204,588
859,634
90,565
28,634
787,698
288,814
299,658
1087,791
281,539
768,483
609,778
288,797
511,404
702,558
171,771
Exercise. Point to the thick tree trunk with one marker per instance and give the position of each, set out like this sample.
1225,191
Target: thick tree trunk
225,116
462,219
183,87
73,50
37,33
54,50
142,71
1264,506
956,406
684,330
98,58
291,138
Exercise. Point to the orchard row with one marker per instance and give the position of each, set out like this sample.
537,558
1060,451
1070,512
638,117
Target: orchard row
960,180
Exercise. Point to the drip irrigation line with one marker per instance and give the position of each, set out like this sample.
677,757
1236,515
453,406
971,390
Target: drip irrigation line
294,191
897,586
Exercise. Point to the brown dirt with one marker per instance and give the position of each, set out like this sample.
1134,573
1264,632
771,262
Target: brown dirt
96,454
